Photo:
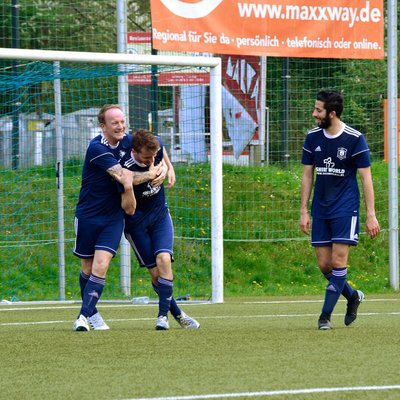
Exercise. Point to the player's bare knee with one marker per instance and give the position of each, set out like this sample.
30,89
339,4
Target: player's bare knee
163,260
325,268
100,268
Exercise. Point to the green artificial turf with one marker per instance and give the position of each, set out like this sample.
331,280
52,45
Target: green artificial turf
245,345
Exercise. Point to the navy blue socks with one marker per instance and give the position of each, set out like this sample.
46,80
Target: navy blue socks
347,291
165,289
83,279
91,295
334,289
174,308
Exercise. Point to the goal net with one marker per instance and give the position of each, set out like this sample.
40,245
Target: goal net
50,102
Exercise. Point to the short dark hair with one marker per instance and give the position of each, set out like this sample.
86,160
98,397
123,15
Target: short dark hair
333,101
101,115
143,138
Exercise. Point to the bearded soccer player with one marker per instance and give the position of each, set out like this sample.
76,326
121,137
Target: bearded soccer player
335,152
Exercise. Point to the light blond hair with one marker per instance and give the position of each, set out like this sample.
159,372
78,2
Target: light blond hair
101,116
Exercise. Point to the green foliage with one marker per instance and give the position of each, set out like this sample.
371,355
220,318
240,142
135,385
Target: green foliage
80,25
264,251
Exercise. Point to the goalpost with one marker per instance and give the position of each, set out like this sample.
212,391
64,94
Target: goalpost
214,66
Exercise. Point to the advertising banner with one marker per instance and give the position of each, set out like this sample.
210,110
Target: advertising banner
281,28
140,43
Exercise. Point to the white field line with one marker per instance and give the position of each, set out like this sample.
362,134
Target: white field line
274,393
75,307
70,321
204,318
17,306
313,301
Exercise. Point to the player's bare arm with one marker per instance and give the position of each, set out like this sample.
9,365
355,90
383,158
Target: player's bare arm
371,223
128,201
121,175
116,172
306,188
151,174
171,170
124,177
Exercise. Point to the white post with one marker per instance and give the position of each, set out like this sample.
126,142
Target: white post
60,183
123,100
393,145
217,240
38,155
262,128
267,135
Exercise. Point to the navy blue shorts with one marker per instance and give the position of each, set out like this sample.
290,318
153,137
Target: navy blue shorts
336,230
94,236
152,235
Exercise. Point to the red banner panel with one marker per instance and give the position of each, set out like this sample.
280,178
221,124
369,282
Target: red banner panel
283,28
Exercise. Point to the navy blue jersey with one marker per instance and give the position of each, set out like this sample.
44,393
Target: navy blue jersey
100,196
147,196
336,160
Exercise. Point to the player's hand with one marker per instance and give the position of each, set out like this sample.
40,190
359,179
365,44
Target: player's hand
171,178
154,171
305,223
126,178
162,175
372,226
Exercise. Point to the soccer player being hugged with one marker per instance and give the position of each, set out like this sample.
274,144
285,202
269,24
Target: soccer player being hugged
335,152
150,230
106,192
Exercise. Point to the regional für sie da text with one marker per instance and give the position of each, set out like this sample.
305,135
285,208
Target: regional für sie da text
263,41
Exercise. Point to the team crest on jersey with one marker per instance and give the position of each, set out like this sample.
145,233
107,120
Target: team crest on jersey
122,153
341,153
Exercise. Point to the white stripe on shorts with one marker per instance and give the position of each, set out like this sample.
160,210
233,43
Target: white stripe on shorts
353,228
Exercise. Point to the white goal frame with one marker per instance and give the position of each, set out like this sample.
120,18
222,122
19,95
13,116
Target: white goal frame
214,63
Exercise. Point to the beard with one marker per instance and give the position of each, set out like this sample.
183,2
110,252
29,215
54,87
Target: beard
325,122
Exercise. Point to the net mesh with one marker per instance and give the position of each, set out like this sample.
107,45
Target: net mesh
29,234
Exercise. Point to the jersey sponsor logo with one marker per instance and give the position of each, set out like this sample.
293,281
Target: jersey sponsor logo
152,191
329,163
341,153
330,169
